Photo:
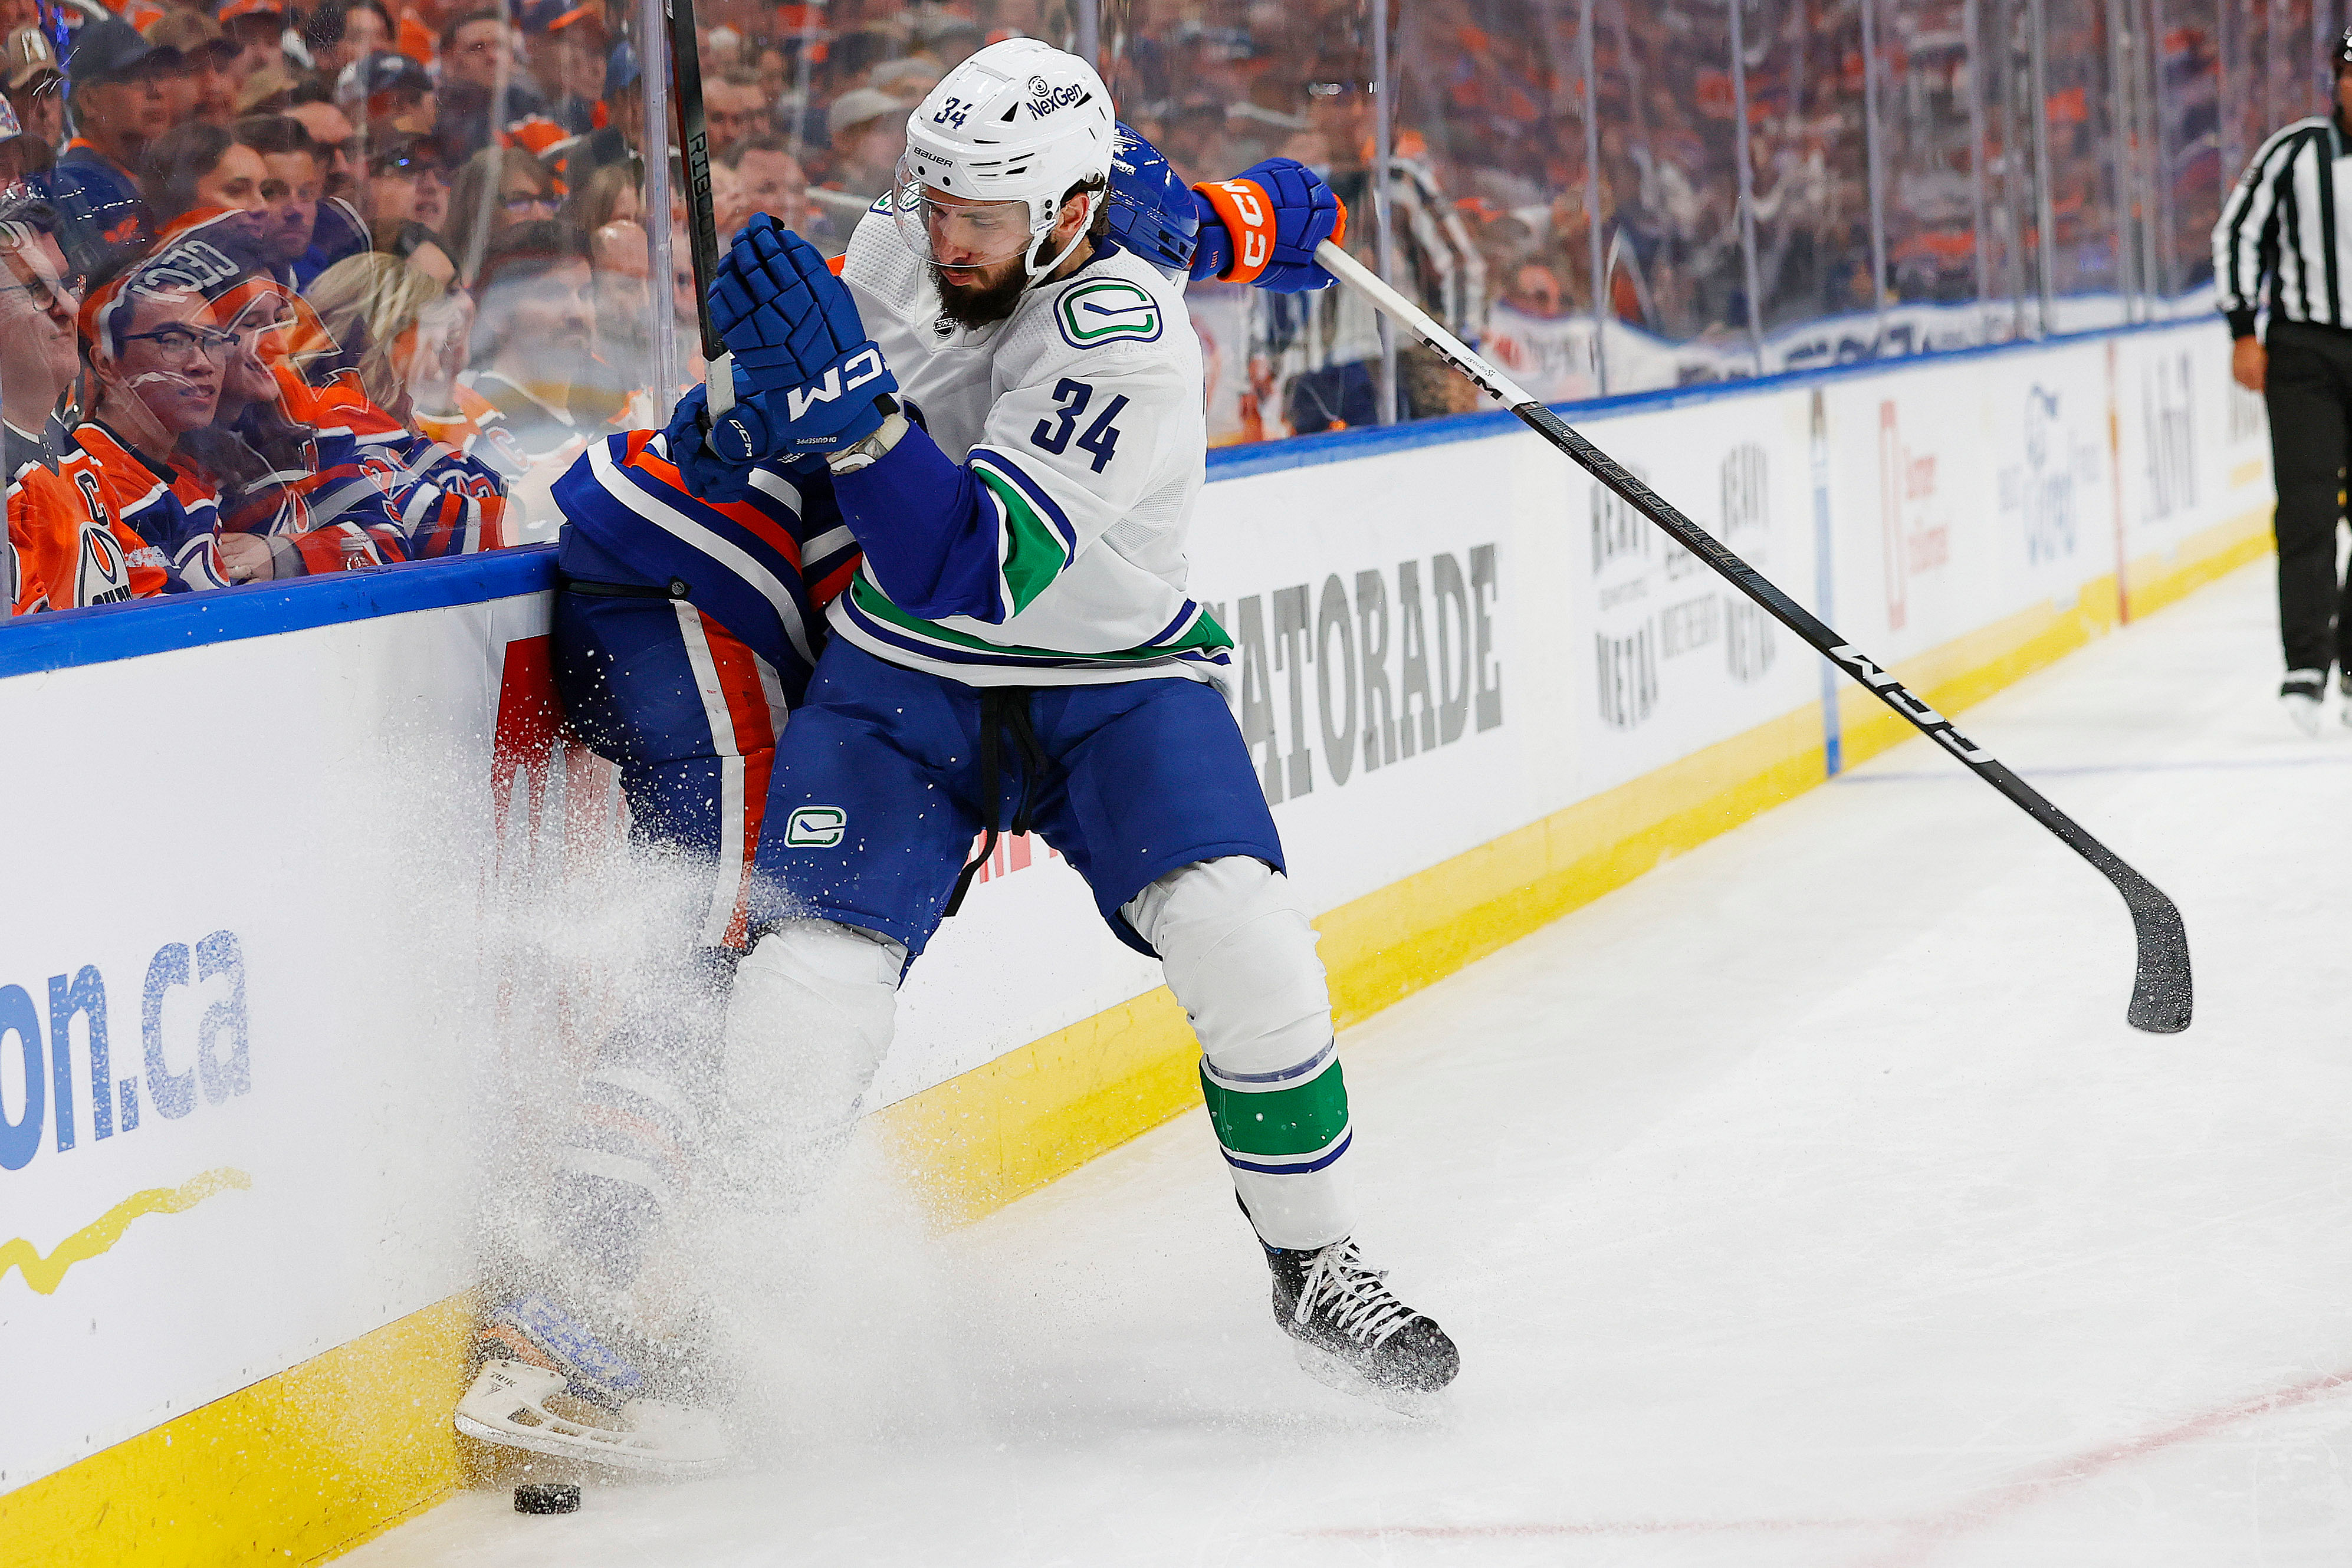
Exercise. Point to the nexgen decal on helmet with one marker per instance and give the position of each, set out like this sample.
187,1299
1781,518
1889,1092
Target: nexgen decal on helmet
1019,122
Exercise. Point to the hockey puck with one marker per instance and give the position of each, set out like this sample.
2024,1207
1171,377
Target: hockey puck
547,1496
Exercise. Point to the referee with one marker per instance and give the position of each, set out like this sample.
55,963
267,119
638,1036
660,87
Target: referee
2288,228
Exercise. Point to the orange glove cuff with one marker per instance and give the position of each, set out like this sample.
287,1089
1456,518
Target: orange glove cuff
1242,206
1340,229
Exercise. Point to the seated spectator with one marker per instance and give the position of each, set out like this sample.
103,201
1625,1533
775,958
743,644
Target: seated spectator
407,182
269,90
291,183
63,550
773,182
343,31
531,354
278,479
484,88
869,133
568,53
339,230
331,480
120,105
609,195
615,141
734,107
39,298
199,169
155,358
338,142
387,93
36,87
498,187
22,156
204,86
257,28
532,335
618,255
402,333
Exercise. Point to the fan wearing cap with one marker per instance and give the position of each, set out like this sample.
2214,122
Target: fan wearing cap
385,93
867,129
204,87
567,52
36,89
257,30
66,547
120,102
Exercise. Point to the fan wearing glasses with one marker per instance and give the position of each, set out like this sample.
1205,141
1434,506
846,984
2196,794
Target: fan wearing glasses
153,359
63,550
407,182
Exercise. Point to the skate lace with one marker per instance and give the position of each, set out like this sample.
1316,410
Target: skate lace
1351,1297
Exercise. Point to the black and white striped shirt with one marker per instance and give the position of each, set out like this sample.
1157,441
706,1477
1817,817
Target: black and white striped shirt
2284,225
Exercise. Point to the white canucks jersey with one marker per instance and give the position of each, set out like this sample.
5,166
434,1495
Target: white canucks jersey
1081,417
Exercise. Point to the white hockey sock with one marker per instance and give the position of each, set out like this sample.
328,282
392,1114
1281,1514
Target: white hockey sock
807,1026
1240,955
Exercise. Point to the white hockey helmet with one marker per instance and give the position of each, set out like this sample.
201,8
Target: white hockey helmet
1019,122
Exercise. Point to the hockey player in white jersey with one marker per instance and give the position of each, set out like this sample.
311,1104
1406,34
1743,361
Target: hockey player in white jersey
1020,641
1008,411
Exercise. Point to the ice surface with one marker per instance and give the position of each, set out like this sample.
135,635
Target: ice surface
1807,1202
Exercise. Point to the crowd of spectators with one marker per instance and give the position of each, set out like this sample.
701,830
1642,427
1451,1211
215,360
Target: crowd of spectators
295,289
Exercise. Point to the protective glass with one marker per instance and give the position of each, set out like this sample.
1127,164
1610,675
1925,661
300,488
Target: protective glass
956,233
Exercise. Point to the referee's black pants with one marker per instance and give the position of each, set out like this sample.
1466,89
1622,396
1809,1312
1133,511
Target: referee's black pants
2308,391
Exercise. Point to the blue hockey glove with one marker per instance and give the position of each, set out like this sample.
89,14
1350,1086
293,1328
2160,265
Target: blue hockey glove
781,310
711,474
1266,223
706,475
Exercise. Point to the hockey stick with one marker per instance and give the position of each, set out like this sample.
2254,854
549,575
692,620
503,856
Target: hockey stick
2162,993
701,219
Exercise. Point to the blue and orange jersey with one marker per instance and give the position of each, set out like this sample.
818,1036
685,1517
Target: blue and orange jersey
424,499
765,568
171,508
67,547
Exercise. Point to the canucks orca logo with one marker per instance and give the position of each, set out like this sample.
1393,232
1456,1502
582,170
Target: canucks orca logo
1106,310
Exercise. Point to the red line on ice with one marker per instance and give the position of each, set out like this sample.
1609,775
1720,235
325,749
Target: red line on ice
1921,1535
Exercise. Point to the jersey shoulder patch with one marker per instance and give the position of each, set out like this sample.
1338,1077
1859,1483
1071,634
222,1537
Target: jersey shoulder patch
1108,310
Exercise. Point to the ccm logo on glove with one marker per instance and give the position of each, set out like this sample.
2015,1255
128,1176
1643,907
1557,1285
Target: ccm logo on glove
861,367
1249,216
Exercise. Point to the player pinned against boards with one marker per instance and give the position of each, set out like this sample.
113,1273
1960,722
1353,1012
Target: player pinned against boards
1003,642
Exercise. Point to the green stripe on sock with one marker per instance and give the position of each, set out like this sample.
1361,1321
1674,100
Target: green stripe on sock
1295,1121
1033,552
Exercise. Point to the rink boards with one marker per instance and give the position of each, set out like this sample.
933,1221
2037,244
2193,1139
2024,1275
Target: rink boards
359,902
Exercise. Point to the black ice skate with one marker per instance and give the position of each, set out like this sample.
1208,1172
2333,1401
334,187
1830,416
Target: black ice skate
1352,1331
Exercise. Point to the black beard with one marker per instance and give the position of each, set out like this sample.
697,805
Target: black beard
971,307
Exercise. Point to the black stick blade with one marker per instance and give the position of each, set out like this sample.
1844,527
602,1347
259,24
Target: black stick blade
2163,995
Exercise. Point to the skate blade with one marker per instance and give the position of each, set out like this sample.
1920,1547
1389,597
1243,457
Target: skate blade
1333,1371
495,1410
